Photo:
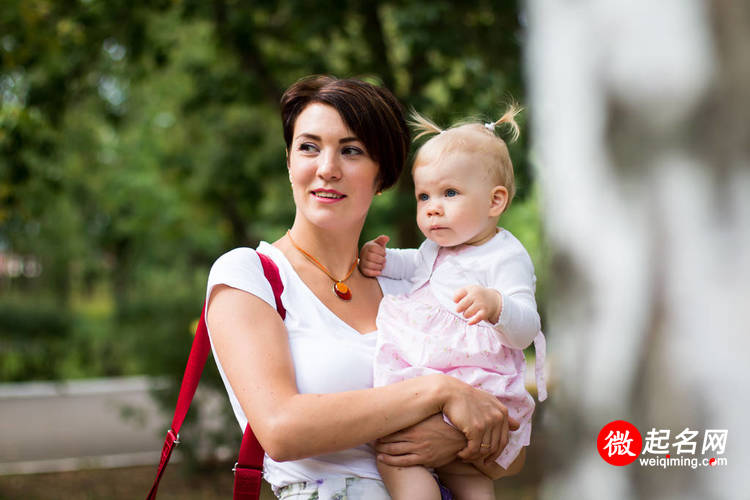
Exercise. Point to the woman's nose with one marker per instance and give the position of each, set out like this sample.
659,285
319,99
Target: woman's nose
329,168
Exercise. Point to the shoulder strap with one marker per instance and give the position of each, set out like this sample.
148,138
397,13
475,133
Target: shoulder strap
248,471
249,467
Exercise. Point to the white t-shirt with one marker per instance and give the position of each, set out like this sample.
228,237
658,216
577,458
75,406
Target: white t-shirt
329,356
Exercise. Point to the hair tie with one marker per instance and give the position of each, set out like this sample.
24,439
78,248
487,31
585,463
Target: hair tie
490,126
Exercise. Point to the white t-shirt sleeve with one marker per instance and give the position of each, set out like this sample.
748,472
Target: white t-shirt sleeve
241,268
401,263
514,278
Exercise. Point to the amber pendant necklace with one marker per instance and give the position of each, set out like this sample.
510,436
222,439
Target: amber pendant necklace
339,287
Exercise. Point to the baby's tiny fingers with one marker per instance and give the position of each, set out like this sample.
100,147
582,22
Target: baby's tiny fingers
464,304
474,319
472,310
372,263
377,257
371,271
481,315
460,294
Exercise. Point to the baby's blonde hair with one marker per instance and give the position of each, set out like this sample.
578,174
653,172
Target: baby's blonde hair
472,137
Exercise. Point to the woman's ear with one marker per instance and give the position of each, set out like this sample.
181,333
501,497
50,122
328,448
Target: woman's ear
498,200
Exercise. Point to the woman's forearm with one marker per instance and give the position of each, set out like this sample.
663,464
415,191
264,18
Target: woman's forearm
431,442
314,424
251,343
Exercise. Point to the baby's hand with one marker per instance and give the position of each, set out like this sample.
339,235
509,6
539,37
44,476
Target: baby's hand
478,303
372,256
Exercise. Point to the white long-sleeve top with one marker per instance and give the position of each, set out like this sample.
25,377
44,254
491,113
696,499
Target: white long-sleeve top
502,263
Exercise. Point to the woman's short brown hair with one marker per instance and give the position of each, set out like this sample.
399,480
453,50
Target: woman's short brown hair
371,112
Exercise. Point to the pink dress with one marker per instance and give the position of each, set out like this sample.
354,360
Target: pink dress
418,336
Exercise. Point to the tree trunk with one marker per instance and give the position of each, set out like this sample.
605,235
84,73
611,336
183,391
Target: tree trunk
641,114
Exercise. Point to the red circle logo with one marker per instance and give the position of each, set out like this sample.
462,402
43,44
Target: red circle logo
619,443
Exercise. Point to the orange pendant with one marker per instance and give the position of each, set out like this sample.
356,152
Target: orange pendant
342,290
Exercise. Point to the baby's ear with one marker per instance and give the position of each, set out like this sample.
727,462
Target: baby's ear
498,200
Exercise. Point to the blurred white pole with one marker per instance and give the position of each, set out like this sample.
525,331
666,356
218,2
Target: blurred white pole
641,116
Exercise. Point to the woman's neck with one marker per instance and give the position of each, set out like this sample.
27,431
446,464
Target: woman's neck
335,249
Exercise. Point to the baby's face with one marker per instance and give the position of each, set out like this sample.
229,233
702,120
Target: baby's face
455,200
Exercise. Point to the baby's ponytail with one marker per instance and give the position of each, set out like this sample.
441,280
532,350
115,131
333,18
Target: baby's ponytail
474,137
422,125
508,118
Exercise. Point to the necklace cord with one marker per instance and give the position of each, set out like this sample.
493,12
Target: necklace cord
319,264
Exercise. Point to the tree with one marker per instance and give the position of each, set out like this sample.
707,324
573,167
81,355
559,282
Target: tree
640,116
140,140
147,117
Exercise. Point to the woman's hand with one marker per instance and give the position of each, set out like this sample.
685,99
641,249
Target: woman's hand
481,417
432,443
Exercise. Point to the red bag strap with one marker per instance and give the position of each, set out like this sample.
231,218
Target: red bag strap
249,467
248,471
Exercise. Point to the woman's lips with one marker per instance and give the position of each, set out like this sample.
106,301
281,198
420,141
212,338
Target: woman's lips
327,195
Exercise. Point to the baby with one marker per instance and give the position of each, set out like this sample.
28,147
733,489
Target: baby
471,310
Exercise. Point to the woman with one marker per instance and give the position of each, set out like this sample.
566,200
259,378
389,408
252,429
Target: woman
305,383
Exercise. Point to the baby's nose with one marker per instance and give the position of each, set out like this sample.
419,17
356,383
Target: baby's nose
434,209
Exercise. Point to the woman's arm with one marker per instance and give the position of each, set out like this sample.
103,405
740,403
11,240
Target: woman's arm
431,442
251,342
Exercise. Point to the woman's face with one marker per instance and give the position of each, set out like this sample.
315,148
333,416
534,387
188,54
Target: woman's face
333,176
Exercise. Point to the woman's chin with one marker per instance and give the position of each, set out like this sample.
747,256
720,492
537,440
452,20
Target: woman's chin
334,219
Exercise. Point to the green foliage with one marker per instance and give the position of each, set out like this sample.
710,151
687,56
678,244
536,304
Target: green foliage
140,140
32,339
23,319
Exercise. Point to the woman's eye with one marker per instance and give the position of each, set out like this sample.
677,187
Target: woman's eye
306,146
422,197
351,150
450,192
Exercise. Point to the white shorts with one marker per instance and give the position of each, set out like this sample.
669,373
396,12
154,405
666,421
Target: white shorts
351,488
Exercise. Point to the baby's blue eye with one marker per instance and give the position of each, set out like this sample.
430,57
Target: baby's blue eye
450,192
422,197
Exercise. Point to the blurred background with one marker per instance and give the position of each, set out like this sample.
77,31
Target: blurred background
141,140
